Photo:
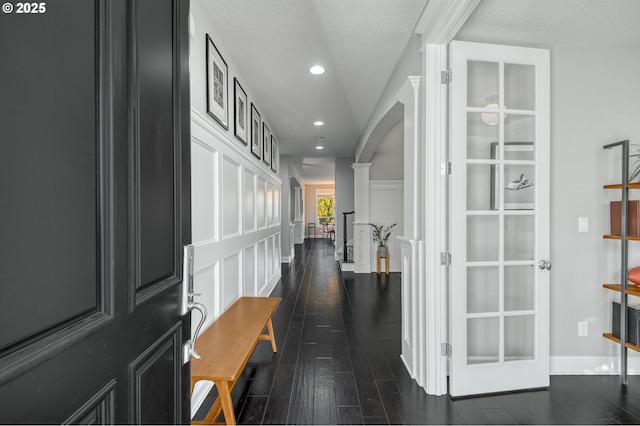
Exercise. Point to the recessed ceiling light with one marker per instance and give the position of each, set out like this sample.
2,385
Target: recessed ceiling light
319,147
318,123
316,69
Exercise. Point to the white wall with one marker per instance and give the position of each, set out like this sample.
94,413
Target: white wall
386,198
408,64
386,192
595,100
388,160
235,197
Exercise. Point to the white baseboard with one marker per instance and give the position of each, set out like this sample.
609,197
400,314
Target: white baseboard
592,365
404,361
347,267
285,259
267,289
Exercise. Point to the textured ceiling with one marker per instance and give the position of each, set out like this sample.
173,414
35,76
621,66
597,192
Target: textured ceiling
275,42
553,23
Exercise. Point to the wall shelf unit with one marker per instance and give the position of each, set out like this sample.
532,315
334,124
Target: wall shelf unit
624,290
618,237
633,290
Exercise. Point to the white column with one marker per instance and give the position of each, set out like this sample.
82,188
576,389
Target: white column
409,96
361,228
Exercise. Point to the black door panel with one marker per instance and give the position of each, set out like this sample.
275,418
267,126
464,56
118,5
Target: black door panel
48,171
94,211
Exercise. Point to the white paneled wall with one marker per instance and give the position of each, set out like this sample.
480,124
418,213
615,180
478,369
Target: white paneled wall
235,220
262,197
230,202
232,287
249,201
249,276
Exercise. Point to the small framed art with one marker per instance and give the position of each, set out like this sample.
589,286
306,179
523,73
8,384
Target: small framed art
256,123
240,108
274,154
266,144
217,85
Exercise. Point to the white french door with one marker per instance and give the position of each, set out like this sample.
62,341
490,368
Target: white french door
499,238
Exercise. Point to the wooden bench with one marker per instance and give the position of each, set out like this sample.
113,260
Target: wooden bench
227,345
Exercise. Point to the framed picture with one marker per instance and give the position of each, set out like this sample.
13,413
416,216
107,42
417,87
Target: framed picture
240,109
266,144
217,85
519,179
274,154
256,123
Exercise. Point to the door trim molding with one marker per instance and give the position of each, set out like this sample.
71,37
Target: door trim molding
435,107
442,19
27,358
438,24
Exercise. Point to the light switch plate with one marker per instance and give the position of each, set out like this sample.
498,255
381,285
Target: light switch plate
583,224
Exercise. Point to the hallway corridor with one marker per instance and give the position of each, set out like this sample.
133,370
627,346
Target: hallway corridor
338,362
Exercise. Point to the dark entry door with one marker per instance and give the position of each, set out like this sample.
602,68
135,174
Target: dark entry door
94,211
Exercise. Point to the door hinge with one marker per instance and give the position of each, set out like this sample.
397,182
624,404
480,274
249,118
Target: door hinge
445,77
445,258
445,350
445,168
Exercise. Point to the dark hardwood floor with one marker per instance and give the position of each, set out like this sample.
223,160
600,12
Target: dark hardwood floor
338,362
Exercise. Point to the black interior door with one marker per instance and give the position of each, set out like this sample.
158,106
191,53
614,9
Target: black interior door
94,211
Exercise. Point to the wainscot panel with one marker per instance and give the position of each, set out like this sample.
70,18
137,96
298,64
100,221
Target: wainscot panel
236,244
203,170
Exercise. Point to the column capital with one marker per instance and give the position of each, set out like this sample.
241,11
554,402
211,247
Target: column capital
409,87
361,165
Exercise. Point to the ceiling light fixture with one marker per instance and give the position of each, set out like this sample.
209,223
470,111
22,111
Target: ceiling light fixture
316,69
491,118
318,123
319,147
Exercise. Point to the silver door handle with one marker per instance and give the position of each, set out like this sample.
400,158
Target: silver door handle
544,264
190,346
203,311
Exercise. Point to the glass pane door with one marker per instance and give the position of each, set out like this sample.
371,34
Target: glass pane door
495,286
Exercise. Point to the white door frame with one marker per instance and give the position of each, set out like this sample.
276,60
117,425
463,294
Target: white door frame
439,23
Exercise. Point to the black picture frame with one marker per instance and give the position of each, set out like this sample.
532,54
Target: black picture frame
240,122
274,154
256,124
217,85
266,144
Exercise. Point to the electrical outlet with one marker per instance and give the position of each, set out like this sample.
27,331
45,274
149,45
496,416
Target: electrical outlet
583,328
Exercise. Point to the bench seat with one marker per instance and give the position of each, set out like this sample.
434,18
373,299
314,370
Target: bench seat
226,347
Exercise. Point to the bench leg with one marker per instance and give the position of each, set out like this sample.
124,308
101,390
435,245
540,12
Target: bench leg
224,393
273,336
